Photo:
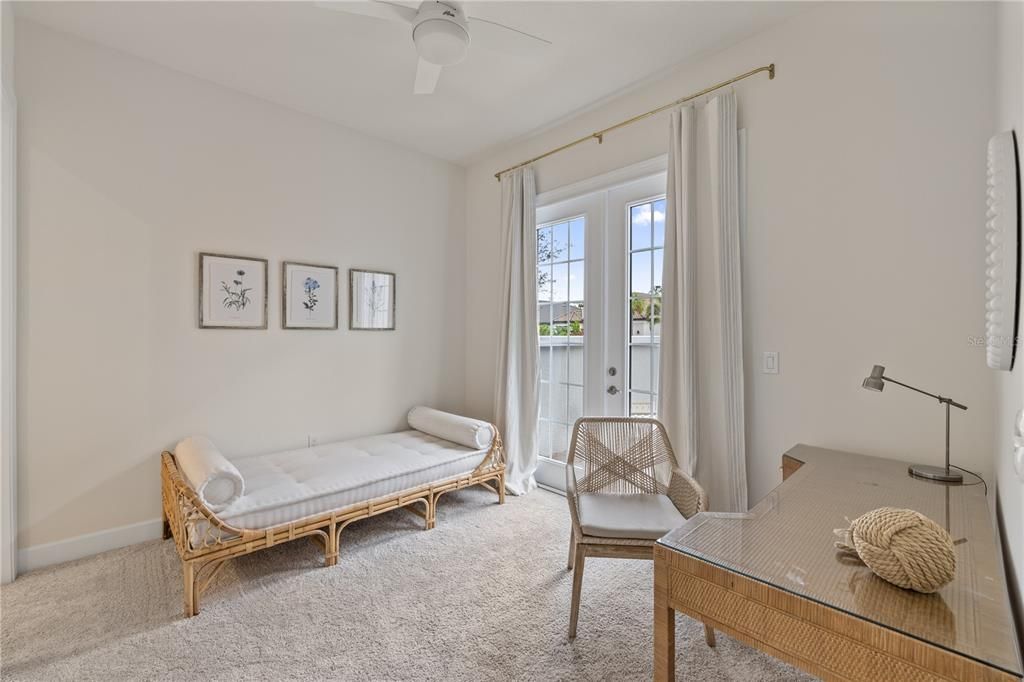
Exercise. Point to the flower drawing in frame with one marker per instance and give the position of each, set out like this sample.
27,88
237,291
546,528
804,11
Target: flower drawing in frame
310,286
371,300
309,296
236,298
232,292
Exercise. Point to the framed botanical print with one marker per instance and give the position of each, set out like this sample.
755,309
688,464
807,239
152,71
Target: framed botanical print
310,296
371,303
232,292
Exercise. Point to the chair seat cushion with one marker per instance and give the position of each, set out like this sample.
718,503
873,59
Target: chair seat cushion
638,516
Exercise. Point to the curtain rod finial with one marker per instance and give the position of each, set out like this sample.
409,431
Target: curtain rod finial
771,72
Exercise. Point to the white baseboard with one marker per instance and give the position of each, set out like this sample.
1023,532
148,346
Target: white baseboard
31,558
551,490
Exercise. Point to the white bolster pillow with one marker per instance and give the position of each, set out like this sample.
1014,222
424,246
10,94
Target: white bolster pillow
216,480
471,433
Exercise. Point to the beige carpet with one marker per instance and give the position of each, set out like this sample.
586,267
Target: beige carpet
484,596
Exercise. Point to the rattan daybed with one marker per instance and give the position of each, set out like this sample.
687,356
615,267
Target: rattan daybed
316,492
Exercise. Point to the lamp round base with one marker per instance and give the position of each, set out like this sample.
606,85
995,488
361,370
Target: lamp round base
933,473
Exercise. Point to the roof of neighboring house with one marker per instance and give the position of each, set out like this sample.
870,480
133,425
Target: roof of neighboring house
647,299
559,313
563,313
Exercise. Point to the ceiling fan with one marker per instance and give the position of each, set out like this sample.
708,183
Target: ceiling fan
440,31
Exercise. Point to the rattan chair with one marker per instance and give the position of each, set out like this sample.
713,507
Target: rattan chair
625,491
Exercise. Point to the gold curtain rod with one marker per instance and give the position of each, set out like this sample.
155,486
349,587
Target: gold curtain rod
599,135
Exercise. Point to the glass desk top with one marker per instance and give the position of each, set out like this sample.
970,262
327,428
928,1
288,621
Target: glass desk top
787,539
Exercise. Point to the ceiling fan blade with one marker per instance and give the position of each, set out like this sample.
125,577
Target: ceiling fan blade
426,78
490,35
381,9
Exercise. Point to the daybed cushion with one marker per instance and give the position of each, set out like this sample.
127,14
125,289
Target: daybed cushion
216,480
470,433
286,486
609,515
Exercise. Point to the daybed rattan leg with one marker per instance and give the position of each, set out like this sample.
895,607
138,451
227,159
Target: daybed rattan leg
577,587
330,547
501,488
709,635
572,549
189,588
425,514
337,536
201,581
431,511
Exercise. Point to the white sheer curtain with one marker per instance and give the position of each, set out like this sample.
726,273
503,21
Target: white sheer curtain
701,393
677,375
516,400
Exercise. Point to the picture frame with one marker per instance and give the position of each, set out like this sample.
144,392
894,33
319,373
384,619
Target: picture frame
232,291
1003,252
309,296
371,300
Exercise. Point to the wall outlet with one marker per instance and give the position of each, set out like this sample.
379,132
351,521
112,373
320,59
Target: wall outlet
770,362
312,441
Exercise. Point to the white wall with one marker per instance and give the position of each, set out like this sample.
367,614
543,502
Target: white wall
8,281
7,42
866,163
1010,396
128,170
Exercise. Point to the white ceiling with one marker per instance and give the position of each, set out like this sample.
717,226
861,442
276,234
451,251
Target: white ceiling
358,71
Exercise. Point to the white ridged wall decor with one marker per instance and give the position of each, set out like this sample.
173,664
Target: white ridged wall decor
1002,236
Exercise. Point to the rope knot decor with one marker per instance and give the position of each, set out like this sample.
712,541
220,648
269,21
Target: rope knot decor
903,547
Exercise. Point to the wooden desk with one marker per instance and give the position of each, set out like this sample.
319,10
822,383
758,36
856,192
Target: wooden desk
772,578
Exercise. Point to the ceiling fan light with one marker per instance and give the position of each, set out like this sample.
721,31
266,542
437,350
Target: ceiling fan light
441,42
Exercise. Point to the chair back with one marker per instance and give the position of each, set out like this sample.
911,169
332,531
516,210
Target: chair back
622,455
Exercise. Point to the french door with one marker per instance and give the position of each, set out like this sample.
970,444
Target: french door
599,264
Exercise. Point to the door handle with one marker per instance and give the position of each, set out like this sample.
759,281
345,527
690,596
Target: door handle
612,390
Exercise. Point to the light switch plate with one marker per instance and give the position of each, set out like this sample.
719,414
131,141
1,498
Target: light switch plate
770,362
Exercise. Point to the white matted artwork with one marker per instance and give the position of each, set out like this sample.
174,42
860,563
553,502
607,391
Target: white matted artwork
1002,244
232,292
371,300
310,294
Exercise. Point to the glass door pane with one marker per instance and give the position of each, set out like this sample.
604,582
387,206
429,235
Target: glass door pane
569,293
561,247
646,246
